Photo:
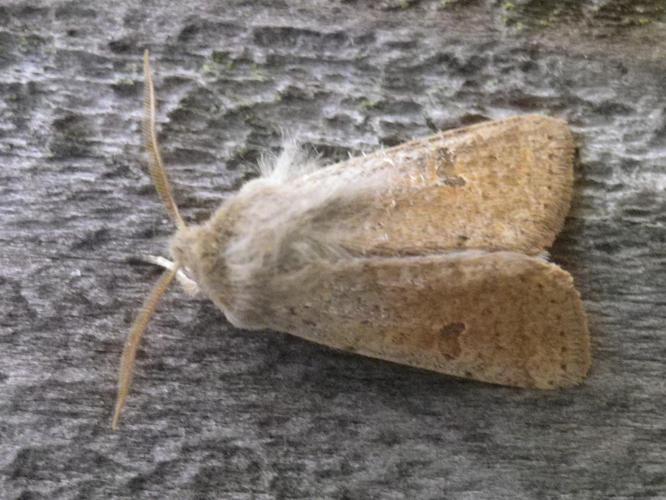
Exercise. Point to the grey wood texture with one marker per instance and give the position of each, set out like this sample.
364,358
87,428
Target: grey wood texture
220,413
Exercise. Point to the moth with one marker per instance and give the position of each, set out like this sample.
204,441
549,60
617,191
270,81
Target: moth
429,254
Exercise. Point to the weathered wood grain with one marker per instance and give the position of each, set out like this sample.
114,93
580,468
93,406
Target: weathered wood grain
222,413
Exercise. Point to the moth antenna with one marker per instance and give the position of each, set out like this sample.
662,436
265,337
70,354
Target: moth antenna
132,345
155,164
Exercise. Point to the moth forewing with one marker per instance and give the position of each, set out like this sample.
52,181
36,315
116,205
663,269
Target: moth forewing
501,185
500,317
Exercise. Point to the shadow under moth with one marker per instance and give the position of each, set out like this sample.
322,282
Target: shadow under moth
428,254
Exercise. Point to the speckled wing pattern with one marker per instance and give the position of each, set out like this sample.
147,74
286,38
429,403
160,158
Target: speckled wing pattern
499,185
499,317
444,277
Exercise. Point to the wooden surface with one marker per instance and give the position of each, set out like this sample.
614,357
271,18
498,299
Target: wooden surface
221,413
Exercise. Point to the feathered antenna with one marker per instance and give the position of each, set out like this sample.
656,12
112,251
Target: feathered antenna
163,187
134,338
155,164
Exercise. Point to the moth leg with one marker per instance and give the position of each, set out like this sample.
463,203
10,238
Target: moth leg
189,285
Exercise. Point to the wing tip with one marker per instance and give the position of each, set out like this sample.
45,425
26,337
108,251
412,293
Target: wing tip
541,339
557,155
569,358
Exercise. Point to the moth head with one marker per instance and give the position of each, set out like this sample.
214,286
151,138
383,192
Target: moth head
185,249
182,246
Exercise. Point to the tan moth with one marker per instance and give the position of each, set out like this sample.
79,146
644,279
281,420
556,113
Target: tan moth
428,254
